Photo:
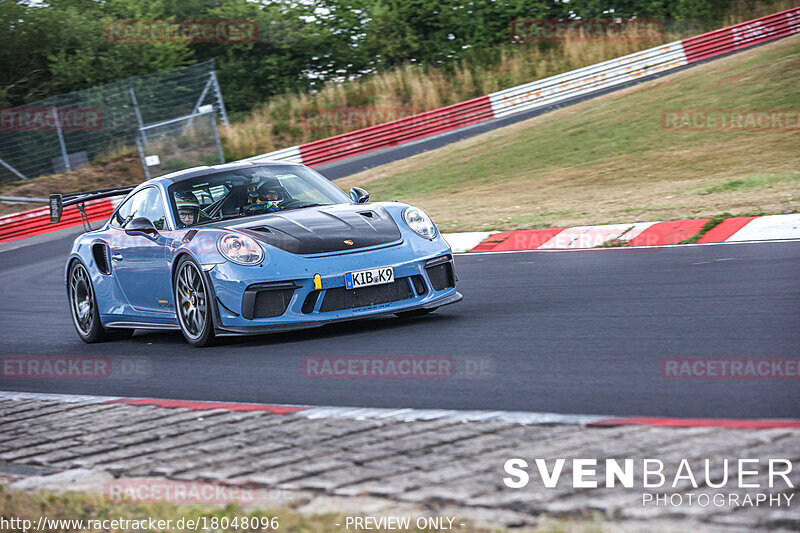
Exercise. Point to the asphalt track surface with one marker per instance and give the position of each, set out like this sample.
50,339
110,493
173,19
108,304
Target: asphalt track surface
564,332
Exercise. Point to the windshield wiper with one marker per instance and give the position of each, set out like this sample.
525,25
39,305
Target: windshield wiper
237,215
302,206
224,217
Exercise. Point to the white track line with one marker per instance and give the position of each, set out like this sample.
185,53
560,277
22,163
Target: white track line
47,397
408,415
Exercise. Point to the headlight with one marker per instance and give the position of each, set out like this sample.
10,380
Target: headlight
240,249
421,223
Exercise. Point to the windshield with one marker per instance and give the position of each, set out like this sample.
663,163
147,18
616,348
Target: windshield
251,191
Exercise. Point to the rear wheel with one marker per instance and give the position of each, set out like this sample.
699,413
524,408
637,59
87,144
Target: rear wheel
83,307
192,296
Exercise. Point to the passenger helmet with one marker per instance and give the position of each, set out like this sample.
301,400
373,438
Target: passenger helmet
187,202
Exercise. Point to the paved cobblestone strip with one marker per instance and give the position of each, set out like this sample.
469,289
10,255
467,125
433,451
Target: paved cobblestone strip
321,459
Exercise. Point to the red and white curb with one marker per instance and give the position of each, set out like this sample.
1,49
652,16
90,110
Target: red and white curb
466,241
408,415
635,234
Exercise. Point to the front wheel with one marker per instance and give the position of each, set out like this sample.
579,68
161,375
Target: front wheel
193,299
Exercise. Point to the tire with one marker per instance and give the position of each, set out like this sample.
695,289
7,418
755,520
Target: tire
193,303
83,305
416,312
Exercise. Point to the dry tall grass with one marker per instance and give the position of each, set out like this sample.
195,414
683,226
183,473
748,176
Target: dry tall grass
284,120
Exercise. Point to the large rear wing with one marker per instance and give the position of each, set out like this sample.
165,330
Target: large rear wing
59,201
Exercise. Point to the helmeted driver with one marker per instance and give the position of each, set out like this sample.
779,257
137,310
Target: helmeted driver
267,193
188,208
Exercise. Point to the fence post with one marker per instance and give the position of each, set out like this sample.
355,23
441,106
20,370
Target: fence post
141,154
220,103
64,153
216,137
136,107
202,96
12,170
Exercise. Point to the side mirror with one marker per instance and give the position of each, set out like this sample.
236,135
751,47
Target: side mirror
359,195
141,226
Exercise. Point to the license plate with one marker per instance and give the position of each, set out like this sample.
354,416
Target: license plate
365,278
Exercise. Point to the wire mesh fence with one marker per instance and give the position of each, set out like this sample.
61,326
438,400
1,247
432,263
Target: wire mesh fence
65,131
180,143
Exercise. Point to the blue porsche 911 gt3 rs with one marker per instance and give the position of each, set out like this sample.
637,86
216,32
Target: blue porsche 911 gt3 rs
249,248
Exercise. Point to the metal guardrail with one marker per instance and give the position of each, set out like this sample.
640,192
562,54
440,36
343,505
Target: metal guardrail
742,35
587,80
544,92
397,132
22,199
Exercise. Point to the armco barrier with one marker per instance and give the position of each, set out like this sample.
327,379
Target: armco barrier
742,35
588,79
397,132
37,221
544,92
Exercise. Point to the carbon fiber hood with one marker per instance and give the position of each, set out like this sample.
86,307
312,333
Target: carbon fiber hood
323,229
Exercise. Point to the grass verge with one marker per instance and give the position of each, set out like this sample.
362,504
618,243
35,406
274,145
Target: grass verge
83,506
608,159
